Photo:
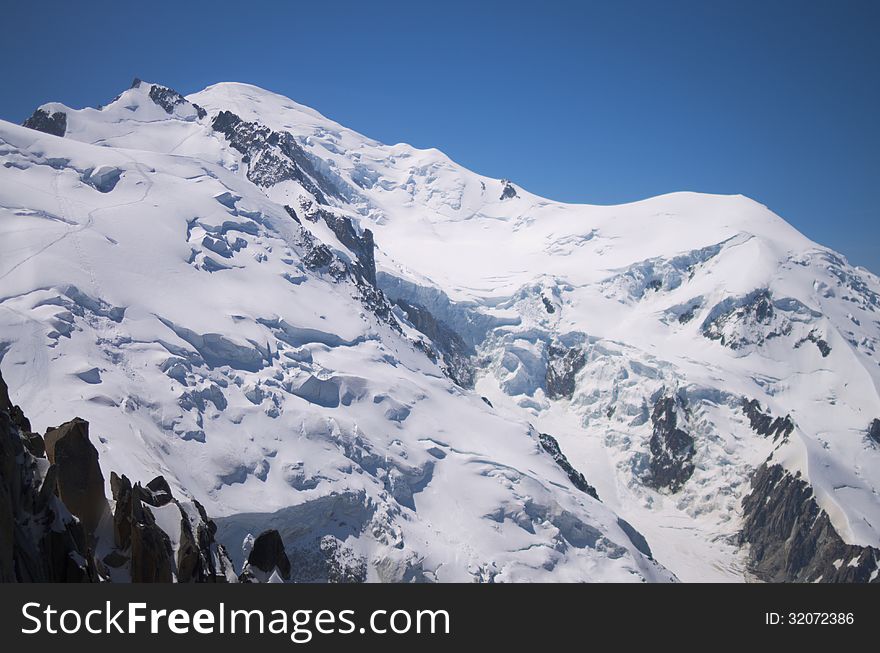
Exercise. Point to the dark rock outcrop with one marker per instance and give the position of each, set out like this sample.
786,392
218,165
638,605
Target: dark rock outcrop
151,551
267,555
50,509
744,321
672,449
54,124
157,492
764,423
361,246
455,355
80,482
551,446
147,549
40,541
272,157
168,99
343,565
507,190
563,364
791,539
821,344
15,412
874,431
318,257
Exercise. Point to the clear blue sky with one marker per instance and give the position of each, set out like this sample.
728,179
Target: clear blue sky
600,102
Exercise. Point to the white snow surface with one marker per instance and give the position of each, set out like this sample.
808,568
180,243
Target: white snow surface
268,392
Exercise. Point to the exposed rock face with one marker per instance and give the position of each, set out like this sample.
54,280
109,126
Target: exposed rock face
40,541
80,482
343,565
764,423
362,246
823,347
214,564
672,449
147,549
151,551
159,492
272,157
318,257
874,431
168,99
55,124
551,446
267,555
363,268
748,320
507,190
51,500
791,539
361,272
15,412
563,364
456,355
121,488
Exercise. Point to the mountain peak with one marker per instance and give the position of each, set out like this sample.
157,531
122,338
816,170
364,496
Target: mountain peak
268,308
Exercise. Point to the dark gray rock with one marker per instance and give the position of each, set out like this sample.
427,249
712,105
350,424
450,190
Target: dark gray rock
792,540
15,412
189,558
362,246
455,355
763,423
122,489
318,257
342,564
563,364
267,555
874,431
40,541
755,309
273,157
672,449
551,446
823,347
688,314
157,492
41,120
292,213
168,99
507,190
80,481
151,552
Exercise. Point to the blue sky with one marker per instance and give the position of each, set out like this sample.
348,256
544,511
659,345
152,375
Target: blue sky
600,102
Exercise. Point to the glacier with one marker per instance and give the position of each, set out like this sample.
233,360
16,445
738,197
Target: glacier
406,368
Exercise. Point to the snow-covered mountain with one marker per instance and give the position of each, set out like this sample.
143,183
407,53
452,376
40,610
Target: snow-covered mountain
414,372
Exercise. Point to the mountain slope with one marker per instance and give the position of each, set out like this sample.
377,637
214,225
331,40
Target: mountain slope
295,321
714,300
208,336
